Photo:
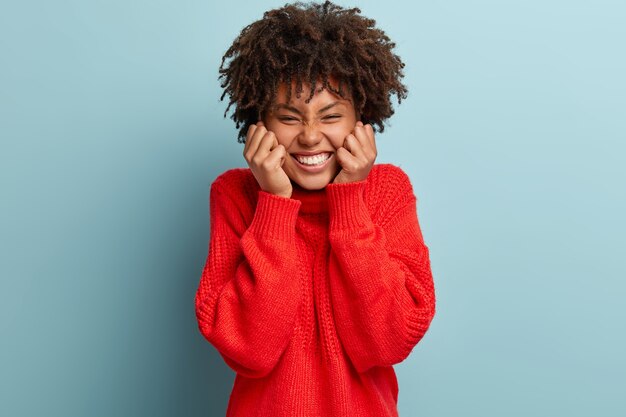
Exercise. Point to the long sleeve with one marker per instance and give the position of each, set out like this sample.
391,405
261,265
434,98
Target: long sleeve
381,282
249,291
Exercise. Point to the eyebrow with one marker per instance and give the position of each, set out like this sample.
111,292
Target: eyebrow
295,110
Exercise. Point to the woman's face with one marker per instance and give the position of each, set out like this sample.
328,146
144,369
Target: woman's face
313,130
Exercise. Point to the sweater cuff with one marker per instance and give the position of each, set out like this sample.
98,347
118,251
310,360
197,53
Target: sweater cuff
275,216
346,205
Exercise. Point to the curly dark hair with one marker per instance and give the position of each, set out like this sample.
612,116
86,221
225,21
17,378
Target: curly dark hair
307,42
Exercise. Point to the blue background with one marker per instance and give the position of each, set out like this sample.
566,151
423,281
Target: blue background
513,135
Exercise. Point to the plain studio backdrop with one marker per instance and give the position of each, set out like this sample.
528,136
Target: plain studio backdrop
513,135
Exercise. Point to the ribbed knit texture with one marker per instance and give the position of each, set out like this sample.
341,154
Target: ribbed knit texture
312,299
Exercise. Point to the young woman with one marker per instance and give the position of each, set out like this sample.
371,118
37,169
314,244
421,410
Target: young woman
317,279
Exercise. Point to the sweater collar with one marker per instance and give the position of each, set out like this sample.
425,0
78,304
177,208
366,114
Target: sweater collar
313,201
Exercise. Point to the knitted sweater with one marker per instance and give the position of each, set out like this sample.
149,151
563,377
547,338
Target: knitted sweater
312,299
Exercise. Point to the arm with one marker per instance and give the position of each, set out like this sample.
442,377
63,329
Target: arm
381,282
249,291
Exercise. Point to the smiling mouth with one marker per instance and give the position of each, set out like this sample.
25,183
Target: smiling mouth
313,160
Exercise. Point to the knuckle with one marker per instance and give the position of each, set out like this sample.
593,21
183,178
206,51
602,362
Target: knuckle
257,160
266,164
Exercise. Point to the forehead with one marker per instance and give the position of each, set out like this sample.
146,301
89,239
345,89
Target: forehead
321,96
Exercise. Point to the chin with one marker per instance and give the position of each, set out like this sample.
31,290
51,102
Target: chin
313,184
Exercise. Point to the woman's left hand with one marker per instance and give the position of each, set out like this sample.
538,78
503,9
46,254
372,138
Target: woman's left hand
357,155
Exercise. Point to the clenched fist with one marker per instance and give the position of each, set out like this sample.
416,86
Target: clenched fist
357,155
266,158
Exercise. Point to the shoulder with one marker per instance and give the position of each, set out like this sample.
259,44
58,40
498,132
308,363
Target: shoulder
234,178
238,184
390,171
388,189
388,179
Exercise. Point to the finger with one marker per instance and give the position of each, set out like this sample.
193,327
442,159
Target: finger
370,134
365,135
266,144
347,161
353,145
360,133
275,158
249,134
371,141
256,137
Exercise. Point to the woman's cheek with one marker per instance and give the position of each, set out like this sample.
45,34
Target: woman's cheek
285,135
337,134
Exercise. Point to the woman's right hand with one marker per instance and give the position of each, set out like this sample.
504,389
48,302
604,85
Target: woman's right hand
265,157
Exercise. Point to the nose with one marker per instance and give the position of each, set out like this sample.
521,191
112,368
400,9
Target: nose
310,135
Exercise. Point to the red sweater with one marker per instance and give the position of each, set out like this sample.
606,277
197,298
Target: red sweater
312,299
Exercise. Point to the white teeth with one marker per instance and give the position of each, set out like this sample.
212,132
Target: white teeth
313,160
